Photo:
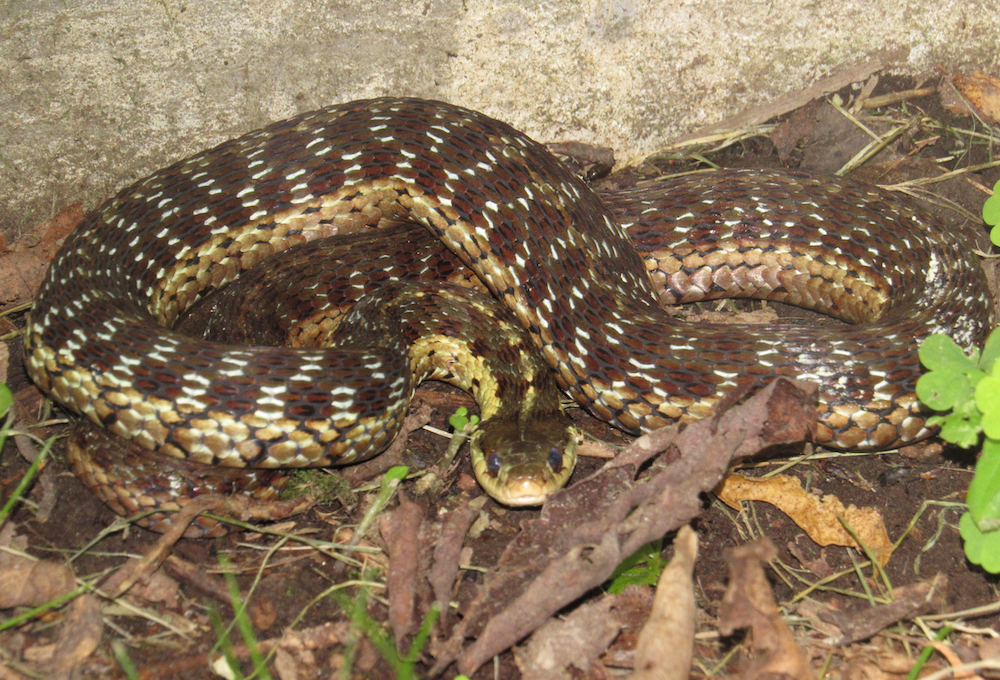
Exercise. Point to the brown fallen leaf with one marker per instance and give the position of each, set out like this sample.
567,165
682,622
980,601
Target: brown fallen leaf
818,517
28,582
159,587
401,531
448,551
4,362
574,641
749,603
889,663
303,644
797,127
632,607
79,635
791,101
757,317
860,623
819,567
982,91
811,610
666,643
25,263
262,612
25,582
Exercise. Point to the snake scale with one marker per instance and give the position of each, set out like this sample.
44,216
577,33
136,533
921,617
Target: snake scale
585,274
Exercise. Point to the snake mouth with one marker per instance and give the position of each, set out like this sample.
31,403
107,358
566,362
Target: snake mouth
522,492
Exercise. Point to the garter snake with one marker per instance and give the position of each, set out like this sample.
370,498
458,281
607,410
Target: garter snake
562,258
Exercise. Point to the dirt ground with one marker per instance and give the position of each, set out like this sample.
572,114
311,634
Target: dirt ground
167,626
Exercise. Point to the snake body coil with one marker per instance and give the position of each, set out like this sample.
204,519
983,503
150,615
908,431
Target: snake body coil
562,258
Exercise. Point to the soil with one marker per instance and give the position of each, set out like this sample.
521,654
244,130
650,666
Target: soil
922,486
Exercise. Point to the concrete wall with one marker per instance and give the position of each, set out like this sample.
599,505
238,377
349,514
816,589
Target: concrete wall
97,94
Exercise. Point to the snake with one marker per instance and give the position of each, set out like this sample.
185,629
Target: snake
588,275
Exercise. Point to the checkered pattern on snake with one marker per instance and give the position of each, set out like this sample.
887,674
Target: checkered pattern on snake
563,258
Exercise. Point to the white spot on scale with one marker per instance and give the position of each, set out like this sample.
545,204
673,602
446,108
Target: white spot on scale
343,391
200,379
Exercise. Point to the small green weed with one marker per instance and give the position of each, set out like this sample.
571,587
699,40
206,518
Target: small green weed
403,666
968,387
991,214
643,567
6,399
461,418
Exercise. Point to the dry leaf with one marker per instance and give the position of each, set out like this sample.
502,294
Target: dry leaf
982,91
666,643
818,517
401,531
24,265
749,603
25,582
79,635
576,641
863,621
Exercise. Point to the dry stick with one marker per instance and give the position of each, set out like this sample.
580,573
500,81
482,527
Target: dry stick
137,568
793,100
400,530
314,640
447,553
896,97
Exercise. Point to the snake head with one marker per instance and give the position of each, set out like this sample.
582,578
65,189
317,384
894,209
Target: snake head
520,464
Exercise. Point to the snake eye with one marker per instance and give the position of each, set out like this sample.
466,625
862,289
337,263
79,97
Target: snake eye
555,459
493,464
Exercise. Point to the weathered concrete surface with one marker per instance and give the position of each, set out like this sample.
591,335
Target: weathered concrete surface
96,94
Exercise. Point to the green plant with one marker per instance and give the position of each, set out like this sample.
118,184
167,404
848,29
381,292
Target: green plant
403,665
991,214
968,388
926,652
229,666
643,567
6,399
461,418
